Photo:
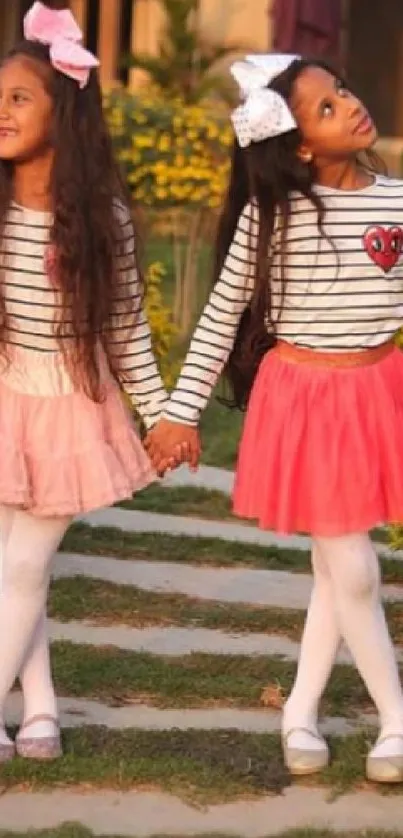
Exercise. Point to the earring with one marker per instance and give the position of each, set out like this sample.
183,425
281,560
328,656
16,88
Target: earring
307,158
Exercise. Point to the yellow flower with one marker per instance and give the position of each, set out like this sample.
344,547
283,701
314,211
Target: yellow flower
161,193
212,131
139,117
168,150
142,141
159,316
164,142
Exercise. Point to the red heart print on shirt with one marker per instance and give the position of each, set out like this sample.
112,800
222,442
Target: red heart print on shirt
384,245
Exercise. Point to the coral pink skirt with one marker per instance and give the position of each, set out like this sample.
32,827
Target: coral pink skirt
322,446
61,453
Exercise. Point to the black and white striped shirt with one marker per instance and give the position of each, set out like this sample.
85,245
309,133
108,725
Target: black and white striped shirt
31,302
343,292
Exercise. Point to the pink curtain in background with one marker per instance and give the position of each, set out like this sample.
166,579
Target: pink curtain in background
308,27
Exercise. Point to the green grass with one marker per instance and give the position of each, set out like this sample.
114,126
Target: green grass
380,535
213,552
210,766
203,766
220,433
182,500
159,249
118,677
76,831
104,603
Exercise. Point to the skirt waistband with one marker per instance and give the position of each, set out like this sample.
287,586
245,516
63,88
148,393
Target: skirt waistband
361,358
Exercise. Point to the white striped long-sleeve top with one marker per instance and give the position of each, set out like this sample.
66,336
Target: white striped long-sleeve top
31,300
344,290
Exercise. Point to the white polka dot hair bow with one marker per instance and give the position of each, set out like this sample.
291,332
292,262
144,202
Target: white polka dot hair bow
264,113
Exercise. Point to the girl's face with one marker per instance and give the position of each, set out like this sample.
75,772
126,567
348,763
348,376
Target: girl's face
25,112
334,124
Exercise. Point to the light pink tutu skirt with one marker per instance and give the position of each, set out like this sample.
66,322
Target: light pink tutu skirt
322,446
61,453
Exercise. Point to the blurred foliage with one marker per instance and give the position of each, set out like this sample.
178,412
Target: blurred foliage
187,64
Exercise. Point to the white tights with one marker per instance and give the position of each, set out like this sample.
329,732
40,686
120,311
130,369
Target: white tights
345,604
27,548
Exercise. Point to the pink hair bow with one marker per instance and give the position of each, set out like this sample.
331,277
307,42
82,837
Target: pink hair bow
58,30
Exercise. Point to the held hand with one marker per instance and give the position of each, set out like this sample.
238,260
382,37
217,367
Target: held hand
169,464
169,444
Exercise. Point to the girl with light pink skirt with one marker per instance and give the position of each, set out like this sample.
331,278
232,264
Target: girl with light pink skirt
72,334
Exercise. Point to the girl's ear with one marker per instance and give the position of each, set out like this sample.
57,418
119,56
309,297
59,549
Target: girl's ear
305,154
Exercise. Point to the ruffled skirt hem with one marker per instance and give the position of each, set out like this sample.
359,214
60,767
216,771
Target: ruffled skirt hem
65,455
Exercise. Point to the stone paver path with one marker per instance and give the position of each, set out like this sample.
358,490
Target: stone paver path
76,712
254,587
144,814
131,520
206,477
172,641
138,521
141,814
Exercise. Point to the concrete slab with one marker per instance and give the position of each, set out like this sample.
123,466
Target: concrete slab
254,587
78,712
143,814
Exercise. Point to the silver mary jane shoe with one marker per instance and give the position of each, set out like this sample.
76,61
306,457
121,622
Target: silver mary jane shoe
303,761
388,769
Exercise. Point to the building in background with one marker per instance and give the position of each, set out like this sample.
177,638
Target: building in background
309,27
115,27
372,39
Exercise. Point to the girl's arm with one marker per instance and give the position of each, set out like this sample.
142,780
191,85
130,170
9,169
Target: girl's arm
130,338
211,345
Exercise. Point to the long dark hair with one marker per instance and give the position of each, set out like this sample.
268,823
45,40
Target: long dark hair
87,195
266,173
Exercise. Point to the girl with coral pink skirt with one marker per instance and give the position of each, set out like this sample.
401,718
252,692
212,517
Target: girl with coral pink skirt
308,298
72,334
